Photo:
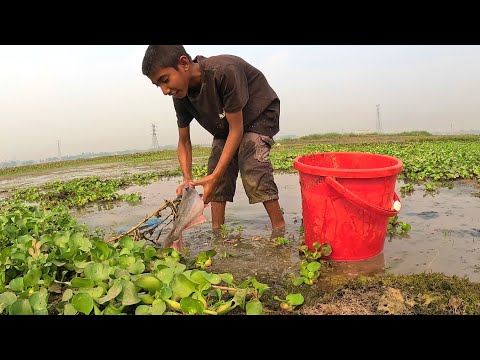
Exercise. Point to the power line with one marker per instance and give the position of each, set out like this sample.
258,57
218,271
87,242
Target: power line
155,145
59,152
379,122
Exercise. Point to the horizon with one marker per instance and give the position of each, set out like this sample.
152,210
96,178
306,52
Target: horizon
95,98
174,146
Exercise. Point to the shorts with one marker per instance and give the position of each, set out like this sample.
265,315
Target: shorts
252,159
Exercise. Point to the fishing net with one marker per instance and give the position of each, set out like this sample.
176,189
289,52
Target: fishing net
152,226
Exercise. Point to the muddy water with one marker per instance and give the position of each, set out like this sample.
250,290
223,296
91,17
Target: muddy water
445,234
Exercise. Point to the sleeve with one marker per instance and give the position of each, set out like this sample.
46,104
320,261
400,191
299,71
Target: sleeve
184,117
233,88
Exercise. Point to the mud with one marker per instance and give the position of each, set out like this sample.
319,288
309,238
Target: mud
445,234
111,170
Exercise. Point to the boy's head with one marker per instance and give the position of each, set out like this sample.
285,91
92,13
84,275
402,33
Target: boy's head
167,66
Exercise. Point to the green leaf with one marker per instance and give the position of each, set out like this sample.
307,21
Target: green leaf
149,252
112,310
182,287
198,277
20,307
82,264
122,273
112,292
39,300
148,282
125,261
41,312
177,267
67,295
32,277
297,281
7,299
211,253
81,282
18,256
83,303
61,239
16,284
261,288
226,277
97,271
202,257
136,268
45,238
126,242
129,293
212,278
102,250
158,307
313,266
24,239
239,297
80,242
254,307
95,292
69,309
295,299
67,255
143,310
96,310
58,263
165,275
166,292
191,306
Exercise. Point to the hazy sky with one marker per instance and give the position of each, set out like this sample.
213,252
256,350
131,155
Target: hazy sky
95,98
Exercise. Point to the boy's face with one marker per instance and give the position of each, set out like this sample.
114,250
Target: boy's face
173,82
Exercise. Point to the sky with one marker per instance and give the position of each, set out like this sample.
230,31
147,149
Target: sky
94,98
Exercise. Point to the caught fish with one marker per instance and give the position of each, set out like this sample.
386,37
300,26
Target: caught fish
190,213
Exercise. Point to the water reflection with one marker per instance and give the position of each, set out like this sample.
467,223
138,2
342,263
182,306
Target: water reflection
350,269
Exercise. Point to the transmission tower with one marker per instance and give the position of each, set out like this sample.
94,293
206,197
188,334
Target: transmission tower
155,145
379,122
59,153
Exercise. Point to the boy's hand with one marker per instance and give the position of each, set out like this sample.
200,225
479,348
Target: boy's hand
182,185
209,184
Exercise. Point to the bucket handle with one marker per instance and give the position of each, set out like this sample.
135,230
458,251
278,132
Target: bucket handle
359,201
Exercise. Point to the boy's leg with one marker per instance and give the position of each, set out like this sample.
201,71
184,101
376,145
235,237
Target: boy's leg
226,188
257,175
218,214
275,213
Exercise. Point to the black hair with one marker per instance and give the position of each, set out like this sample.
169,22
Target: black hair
162,56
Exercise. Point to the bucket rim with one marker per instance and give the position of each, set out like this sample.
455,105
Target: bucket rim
348,173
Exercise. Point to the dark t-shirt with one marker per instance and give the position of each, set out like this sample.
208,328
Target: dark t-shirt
230,84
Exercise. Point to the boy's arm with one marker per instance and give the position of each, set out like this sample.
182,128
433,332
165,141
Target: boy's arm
235,134
184,153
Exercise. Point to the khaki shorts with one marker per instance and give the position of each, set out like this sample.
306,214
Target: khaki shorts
253,160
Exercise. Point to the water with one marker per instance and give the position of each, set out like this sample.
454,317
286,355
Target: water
445,234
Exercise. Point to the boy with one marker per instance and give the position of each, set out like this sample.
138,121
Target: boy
234,102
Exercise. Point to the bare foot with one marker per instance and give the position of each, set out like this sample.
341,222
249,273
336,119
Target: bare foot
278,232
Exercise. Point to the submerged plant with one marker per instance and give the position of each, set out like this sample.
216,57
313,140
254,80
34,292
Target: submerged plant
396,227
320,251
279,241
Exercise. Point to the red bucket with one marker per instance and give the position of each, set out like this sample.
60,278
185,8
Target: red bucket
347,198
